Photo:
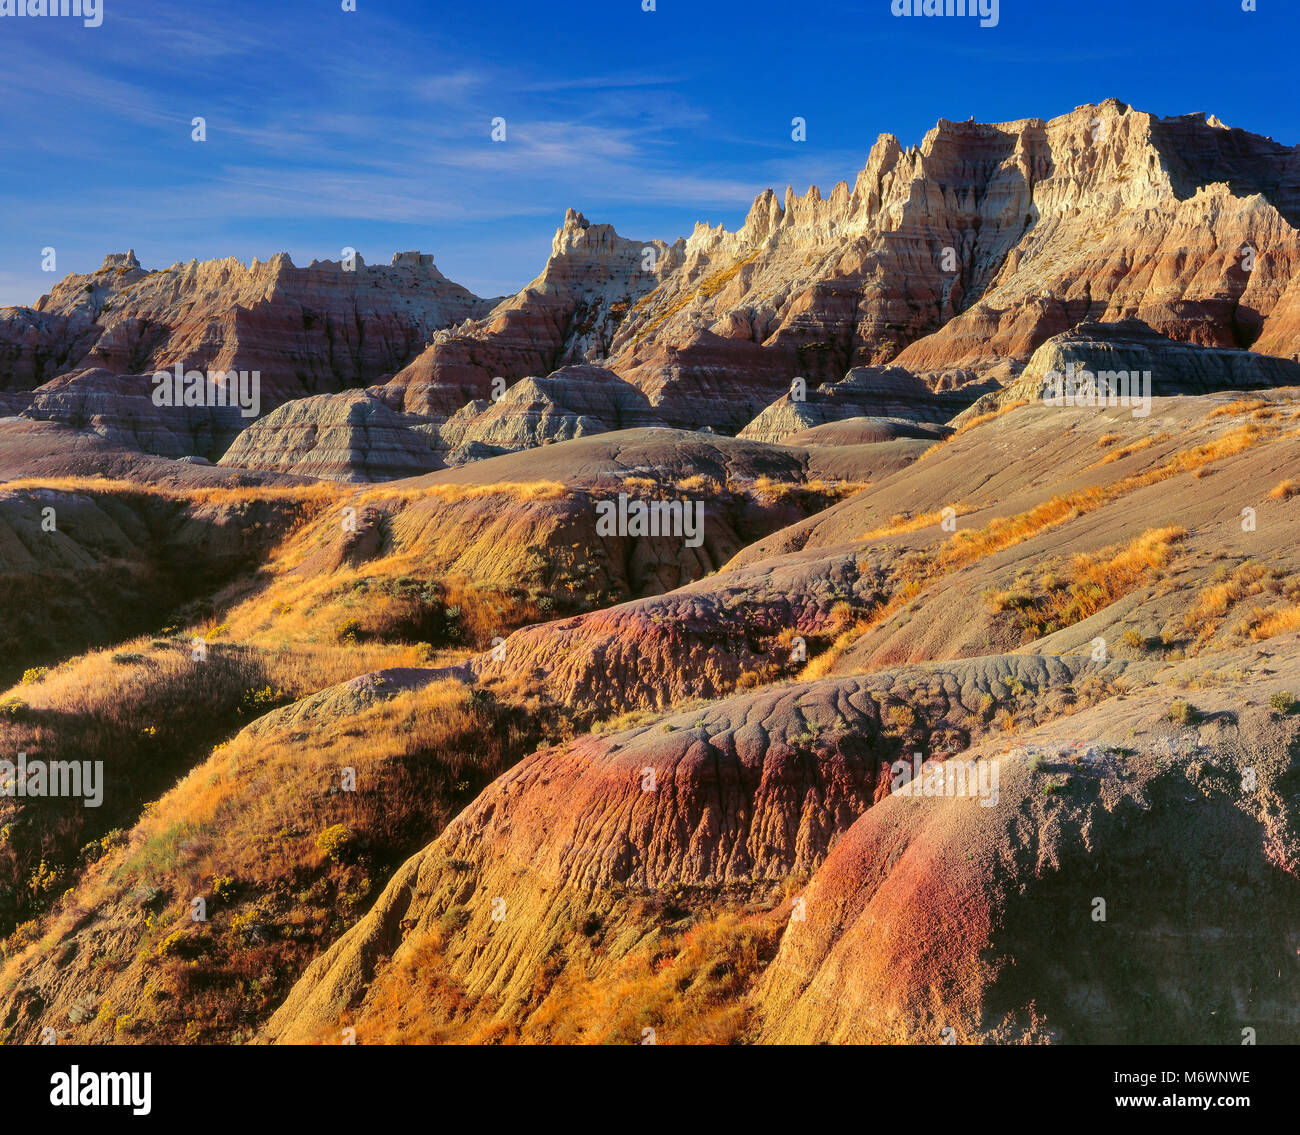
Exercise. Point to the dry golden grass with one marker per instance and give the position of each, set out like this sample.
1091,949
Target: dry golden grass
991,416
701,484
1262,624
1130,449
255,811
1134,563
322,492
688,986
80,485
1285,490
1193,460
820,666
514,490
1229,444
1213,601
148,711
901,524
180,547
1236,408
970,544
308,668
1092,583
410,753
245,828
385,605
404,587
812,495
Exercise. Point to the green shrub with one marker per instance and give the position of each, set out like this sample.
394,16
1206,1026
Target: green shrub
169,944
259,701
14,708
224,886
46,878
1283,702
901,716
336,841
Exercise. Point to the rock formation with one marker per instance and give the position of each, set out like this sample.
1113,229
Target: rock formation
955,259
306,330
879,392
573,402
1122,354
569,314
864,431
120,409
745,794
485,766
1000,236
966,252
338,437
934,913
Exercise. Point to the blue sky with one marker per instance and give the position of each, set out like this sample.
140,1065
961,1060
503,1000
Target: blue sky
372,128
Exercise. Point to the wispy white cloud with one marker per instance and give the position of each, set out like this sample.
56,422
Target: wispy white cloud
314,134
453,86
615,81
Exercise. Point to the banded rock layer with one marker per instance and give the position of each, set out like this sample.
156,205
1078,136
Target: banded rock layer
879,392
1130,348
964,253
305,330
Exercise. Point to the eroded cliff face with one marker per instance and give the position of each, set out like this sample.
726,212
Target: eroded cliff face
954,260
1125,362
568,315
339,437
1182,223
736,797
962,254
306,330
1005,898
970,250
